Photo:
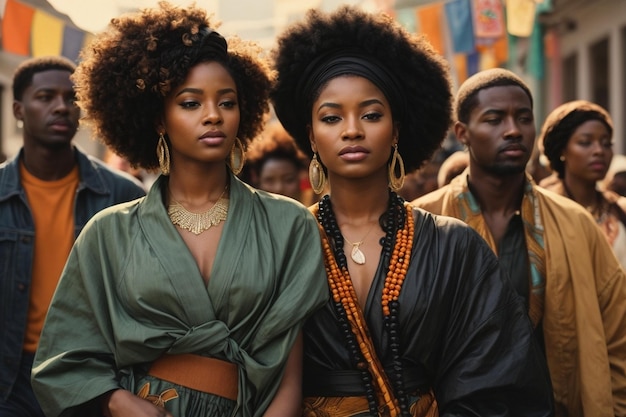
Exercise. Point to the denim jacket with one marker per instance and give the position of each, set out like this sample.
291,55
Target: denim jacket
99,187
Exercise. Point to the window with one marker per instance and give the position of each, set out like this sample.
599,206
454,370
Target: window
570,77
599,65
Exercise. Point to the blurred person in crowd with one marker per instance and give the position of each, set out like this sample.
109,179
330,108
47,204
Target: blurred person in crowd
119,162
577,139
48,191
615,179
188,302
276,164
422,320
573,286
453,166
424,179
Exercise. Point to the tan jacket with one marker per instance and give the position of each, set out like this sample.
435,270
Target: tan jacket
584,319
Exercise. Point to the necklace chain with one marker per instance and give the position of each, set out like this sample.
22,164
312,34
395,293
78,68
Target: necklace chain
197,223
356,254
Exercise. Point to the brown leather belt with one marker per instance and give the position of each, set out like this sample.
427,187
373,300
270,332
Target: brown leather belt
209,375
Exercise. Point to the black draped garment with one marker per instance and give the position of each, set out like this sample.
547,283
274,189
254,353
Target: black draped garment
464,332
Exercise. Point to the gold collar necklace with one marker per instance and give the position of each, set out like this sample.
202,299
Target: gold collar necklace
197,223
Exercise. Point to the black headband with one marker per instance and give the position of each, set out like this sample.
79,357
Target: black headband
346,62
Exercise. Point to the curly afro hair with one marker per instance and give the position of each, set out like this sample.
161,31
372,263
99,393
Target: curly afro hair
409,60
467,95
273,143
129,69
561,124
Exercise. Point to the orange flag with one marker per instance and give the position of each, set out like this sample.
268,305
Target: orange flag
16,25
430,20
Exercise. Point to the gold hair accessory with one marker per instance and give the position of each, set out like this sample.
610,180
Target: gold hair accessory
237,157
317,177
197,223
396,165
163,153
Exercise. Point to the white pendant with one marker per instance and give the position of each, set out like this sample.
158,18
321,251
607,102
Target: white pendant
357,256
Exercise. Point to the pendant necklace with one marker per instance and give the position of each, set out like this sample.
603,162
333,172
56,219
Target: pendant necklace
356,254
197,223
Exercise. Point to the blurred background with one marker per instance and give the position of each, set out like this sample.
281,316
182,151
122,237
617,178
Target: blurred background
564,49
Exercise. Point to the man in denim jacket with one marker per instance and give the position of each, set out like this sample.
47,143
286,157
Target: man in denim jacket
47,194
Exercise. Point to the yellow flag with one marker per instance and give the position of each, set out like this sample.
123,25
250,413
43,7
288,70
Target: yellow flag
520,17
46,34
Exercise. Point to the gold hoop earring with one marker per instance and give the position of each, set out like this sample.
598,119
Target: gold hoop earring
163,153
317,177
396,166
237,157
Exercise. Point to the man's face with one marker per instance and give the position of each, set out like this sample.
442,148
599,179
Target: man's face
48,110
500,132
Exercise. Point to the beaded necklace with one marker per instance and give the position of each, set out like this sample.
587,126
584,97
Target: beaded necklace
399,228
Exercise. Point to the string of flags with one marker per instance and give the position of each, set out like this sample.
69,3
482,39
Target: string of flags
30,31
472,34
480,34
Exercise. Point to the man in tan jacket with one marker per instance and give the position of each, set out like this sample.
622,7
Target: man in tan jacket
556,256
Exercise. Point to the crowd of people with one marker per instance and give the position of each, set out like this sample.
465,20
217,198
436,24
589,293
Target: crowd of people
289,235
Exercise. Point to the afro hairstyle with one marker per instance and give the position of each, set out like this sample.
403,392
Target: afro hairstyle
23,75
274,143
129,69
410,59
561,124
467,95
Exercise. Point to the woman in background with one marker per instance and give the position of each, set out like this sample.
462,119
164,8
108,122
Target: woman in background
577,139
276,164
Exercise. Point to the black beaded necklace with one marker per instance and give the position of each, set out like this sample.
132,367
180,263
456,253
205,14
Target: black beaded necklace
391,221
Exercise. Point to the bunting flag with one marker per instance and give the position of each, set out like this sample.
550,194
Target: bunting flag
460,67
520,17
46,34
473,62
488,18
73,41
552,52
501,49
16,25
536,57
430,20
29,31
406,17
459,15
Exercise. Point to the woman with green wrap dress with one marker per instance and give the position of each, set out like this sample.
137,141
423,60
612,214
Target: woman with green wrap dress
190,302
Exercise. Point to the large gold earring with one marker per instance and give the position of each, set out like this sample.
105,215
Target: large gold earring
396,167
163,153
317,177
237,157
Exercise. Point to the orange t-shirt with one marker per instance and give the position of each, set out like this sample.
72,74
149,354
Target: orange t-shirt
52,208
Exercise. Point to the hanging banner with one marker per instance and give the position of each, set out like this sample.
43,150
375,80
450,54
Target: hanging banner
520,17
73,40
406,17
46,35
16,24
430,20
488,18
459,16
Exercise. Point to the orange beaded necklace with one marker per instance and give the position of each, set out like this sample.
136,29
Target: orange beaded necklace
343,292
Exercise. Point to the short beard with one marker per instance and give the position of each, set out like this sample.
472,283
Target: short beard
505,170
